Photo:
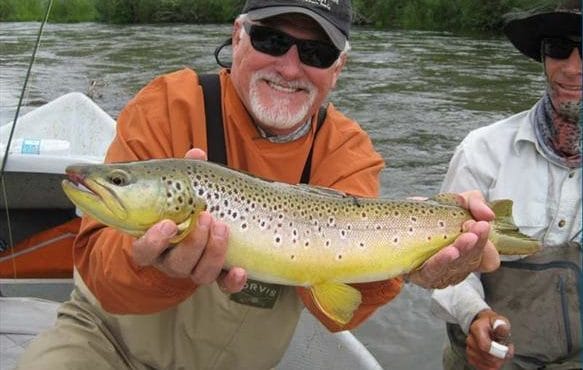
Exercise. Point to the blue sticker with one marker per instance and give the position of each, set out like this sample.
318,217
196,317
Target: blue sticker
30,146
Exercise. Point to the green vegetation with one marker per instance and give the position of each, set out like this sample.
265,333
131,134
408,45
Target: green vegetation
452,15
62,11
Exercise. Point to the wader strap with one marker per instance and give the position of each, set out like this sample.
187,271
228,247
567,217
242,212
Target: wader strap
308,166
215,136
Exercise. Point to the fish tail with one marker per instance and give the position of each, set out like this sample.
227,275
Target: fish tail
505,234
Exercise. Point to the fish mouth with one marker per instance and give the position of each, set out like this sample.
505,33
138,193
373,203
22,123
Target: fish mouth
93,197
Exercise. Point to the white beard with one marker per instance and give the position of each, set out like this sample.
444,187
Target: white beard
279,115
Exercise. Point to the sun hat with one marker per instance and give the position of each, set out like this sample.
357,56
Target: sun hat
334,16
527,29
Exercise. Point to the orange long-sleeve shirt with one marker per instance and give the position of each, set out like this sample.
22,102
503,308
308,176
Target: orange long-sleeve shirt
166,119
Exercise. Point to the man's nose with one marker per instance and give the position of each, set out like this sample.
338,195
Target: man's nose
289,65
573,63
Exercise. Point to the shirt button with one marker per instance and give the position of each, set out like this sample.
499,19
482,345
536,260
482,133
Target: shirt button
562,223
571,175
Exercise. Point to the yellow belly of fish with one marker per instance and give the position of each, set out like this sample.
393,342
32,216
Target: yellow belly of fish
315,264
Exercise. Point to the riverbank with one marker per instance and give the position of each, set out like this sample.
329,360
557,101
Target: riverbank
433,15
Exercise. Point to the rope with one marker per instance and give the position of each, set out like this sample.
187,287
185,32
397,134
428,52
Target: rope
4,160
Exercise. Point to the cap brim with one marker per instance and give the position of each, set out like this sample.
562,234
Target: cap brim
526,33
335,35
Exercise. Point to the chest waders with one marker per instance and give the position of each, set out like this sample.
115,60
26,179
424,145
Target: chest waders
541,296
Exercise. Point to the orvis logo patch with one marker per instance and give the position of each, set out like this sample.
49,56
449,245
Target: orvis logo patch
257,294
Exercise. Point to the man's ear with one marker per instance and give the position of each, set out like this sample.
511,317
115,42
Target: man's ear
337,68
237,32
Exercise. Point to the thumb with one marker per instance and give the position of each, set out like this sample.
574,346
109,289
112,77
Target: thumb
500,329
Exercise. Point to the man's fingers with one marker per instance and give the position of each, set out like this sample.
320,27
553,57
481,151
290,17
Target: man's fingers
153,243
232,281
196,153
477,206
212,260
500,330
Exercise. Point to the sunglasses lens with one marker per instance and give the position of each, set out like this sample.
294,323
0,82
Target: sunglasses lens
318,54
276,43
559,48
269,41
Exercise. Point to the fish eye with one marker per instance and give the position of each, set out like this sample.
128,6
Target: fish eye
118,178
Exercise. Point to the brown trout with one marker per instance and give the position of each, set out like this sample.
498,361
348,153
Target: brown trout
285,234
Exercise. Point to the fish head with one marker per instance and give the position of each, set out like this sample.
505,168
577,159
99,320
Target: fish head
131,196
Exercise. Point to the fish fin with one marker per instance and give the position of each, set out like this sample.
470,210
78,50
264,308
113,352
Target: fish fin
337,301
505,234
184,228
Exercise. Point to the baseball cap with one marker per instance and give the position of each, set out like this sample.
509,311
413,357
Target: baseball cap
334,16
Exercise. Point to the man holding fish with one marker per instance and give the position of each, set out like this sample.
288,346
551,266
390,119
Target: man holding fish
152,301
534,158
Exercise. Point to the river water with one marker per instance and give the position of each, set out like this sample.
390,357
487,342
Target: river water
417,94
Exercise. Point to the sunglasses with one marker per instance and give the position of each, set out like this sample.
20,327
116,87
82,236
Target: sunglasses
559,48
314,53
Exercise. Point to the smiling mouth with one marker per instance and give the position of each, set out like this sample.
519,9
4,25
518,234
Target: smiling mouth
575,88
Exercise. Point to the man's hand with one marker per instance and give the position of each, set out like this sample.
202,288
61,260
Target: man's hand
470,252
200,256
480,338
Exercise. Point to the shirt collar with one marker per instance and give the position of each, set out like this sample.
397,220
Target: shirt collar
525,132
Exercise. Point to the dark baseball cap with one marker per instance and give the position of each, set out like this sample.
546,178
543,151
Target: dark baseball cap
334,16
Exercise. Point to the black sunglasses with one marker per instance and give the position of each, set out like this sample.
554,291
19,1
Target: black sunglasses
315,53
559,48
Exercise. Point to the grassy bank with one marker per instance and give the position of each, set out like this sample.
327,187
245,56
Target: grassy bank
451,15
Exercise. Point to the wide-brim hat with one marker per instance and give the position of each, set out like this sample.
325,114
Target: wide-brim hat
333,16
526,30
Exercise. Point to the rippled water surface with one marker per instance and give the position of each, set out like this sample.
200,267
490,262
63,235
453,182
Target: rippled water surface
416,93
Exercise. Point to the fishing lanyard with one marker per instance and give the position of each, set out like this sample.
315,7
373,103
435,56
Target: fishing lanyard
6,151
